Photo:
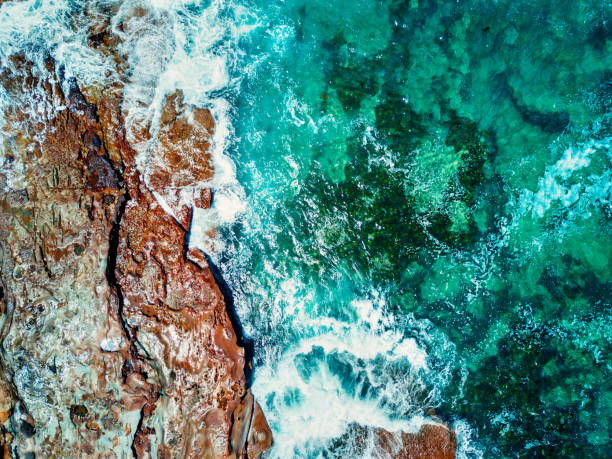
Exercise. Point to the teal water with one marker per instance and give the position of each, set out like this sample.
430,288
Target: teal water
414,201
447,165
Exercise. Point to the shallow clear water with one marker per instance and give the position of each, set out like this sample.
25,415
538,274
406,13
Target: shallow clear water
418,213
428,225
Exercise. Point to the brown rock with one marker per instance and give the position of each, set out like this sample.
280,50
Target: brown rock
251,435
58,206
176,310
260,436
6,402
432,441
111,333
180,167
242,418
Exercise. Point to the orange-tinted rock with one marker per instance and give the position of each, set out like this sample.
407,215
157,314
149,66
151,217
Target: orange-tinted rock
251,434
58,204
260,436
121,335
179,166
181,157
7,404
432,441
177,312
242,417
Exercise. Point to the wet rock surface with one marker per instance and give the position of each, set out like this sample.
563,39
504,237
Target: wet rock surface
58,307
433,440
113,342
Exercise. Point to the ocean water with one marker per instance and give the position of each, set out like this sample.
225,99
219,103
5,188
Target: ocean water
414,203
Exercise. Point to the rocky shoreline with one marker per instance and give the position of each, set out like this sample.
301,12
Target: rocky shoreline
115,339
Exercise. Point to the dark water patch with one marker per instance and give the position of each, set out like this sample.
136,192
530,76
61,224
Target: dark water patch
545,390
600,35
352,76
464,136
358,223
400,126
549,122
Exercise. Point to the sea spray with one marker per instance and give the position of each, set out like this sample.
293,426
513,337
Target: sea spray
336,374
190,49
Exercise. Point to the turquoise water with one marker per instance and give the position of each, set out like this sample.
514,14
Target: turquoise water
429,189
414,200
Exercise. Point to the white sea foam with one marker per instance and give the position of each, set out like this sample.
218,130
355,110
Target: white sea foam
55,28
183,46
467,446
336,373
556,184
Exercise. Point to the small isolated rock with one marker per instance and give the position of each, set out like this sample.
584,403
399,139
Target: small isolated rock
108,345
260,436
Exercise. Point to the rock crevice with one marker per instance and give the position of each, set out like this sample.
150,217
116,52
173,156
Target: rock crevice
113,342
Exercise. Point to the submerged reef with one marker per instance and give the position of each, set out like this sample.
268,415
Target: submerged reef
452,161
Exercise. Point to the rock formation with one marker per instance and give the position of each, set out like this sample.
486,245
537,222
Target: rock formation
434,440
113,342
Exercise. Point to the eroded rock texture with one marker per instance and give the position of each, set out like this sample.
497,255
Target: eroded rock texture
113,343
434,440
